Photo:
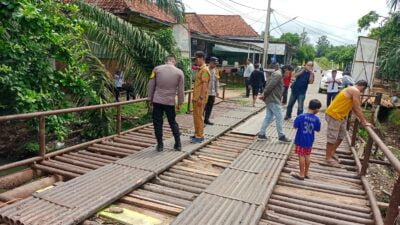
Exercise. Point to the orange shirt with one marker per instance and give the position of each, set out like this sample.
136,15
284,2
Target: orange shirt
202,76
340,107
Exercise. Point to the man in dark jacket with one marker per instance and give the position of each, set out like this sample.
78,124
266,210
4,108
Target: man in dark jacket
272,97
257,81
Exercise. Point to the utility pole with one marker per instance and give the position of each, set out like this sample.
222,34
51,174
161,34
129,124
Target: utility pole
266,35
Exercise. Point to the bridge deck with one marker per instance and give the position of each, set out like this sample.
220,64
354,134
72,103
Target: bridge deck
73,201
257,188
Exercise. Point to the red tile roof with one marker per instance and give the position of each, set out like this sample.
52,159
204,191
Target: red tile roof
220,25
138,6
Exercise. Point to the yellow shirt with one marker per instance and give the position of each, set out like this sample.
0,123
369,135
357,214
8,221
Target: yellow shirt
202,76
340,107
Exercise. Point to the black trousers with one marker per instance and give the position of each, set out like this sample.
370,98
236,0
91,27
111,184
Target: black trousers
158,113
284,95
247,83
208,108
117,92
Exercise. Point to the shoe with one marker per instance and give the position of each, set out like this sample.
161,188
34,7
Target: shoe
178,147
261,137
196,140
285,139
287,118
208,123
160,148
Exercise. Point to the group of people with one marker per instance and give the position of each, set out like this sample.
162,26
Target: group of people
167,81
339,107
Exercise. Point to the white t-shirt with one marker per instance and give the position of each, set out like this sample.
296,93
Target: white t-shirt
249,70
334,86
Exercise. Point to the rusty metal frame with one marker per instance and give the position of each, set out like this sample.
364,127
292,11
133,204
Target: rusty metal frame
374,139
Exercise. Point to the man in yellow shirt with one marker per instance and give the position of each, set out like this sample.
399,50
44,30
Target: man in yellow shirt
200,97
347,100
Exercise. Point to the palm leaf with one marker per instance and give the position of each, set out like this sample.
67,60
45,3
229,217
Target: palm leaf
135,50
393,4
174,7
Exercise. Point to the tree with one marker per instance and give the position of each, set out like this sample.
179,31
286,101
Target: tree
323,45
33,34
365,21
393,4
304,39
305,53
388,34
291,38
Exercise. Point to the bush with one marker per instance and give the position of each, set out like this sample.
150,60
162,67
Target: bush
394,117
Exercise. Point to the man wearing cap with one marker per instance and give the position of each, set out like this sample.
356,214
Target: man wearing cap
333,87
200,96
213,88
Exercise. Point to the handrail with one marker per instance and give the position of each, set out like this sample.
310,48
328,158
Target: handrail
373,138
386,151
68,110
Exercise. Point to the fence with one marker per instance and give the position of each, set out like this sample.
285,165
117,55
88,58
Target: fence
42,126
363,164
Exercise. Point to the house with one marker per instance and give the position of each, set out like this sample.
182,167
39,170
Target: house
218,35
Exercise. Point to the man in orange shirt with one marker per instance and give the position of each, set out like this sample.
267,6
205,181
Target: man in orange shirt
335,115
200,97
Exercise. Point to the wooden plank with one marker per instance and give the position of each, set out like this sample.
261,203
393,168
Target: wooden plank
153,204
251,126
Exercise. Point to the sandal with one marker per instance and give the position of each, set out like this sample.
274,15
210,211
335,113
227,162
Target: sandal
296,175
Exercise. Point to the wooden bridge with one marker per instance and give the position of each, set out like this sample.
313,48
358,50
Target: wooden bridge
230,179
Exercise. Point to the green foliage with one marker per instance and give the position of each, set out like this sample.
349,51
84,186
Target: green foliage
394,117
363,133
389,35
291,38
323,45
33,35
393,4
365,22
305,53
341,55
324,63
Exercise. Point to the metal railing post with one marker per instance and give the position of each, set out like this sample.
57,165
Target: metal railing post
42,136
355,131
393,210
118,124
367,154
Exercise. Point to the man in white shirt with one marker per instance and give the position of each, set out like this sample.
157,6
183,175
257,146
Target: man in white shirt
249,69
333,87
213,89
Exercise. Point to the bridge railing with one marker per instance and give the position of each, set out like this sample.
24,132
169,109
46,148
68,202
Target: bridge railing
42,125
363,164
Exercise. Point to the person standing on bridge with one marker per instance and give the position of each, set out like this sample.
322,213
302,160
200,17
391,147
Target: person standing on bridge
287,79
200,97
257,81
306,125
272,97
335,115
247,72
213,89
304,77
165,83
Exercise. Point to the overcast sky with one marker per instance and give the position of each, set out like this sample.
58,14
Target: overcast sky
335,18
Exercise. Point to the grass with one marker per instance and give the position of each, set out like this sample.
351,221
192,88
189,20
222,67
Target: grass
233,86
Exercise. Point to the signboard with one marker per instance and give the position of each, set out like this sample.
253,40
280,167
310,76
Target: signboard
276,48
365,60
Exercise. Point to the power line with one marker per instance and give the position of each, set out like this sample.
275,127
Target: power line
247,6
277,24
319,31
